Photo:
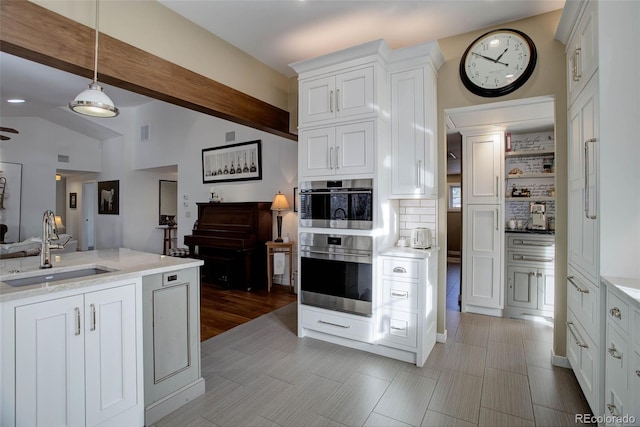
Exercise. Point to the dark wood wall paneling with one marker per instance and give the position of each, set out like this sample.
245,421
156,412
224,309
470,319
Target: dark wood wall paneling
35,33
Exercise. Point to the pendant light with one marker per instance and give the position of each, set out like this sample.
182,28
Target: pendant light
93,101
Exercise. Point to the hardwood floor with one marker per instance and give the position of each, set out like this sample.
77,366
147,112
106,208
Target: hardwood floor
222,309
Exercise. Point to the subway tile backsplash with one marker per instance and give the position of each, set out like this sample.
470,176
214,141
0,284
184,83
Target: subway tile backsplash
416,213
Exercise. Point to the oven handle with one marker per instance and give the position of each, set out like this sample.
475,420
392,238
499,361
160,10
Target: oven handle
333,253
336,192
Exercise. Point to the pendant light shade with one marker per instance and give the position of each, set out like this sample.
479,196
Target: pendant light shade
93,101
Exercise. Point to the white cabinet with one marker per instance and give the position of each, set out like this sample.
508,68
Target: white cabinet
482,157
584,358
413,143
77,359
582,52
407,319
345,94
530,288
171,319
341,150
482,271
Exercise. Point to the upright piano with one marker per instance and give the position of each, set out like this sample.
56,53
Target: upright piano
230,238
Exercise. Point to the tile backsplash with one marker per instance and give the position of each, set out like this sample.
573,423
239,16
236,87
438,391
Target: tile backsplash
416,213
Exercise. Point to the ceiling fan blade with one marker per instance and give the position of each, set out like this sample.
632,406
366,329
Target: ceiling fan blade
9,130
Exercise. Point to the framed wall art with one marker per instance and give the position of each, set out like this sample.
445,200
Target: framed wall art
235,162
73,200
109,197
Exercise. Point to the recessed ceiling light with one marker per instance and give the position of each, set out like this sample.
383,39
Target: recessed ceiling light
15,101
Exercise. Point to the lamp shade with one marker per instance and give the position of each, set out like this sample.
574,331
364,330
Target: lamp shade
94,102
59,225
280,203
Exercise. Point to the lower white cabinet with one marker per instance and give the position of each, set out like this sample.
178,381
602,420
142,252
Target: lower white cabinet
77,359
584,357
530,288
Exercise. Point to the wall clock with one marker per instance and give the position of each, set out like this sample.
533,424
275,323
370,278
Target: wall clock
498,62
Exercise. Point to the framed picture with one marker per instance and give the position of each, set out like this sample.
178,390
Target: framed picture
236,162
109,197
295,199
73,200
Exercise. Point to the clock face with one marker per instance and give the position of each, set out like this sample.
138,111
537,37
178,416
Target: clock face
498,62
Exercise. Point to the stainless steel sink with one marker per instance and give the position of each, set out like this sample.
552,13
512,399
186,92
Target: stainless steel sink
54,277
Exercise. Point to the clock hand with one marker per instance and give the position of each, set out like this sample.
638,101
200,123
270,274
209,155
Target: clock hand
491,59
498,58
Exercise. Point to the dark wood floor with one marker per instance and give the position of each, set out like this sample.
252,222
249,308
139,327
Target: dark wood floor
222,309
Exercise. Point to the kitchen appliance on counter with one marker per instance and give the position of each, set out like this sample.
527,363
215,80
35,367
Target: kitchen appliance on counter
421,238
538,218
346,204
336,272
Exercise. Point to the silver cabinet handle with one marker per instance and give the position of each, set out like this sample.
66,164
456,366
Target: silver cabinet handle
578,288
93,317
331,101
399,270
78,324
338,100
615,312
497,186
579,342
612,408
531,243
330,157
587,204
338,157
519,257
497,220
577,66
400,294
395,328
419,174
334,324
613,352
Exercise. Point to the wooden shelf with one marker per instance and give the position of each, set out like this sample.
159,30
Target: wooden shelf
530,199
529,153
531,175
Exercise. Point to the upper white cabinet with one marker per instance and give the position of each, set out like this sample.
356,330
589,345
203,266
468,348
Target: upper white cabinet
483,157
342,95
413,145
582,52
338,150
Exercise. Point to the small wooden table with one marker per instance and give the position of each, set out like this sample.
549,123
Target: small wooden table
167,239
272,248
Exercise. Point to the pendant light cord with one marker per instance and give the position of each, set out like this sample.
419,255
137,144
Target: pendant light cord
95,64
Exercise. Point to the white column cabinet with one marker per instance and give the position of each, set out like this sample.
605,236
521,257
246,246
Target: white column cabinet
77,346
483,160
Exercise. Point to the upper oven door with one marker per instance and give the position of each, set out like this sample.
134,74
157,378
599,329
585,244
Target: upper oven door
336,207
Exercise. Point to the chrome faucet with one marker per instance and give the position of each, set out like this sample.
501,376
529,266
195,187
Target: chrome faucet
49,233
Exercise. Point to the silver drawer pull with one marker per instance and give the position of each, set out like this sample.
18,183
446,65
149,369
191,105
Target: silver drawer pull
395,328
613,352
399,270
93,317
400,294
519,257
334,324
579,343
612,408
615,312
578,288
78,326
532,243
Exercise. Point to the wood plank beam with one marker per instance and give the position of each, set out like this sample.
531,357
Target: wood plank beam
33,32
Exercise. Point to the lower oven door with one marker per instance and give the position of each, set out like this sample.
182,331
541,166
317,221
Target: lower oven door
337,285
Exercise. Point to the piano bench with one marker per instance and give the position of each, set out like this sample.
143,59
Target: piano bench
179,252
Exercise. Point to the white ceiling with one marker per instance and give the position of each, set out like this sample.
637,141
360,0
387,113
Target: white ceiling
280,32
276,32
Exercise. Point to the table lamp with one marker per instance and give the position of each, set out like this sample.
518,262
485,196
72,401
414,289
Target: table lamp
279,204
59,225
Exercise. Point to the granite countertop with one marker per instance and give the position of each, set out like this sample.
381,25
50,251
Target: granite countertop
631,287
125,263
405,252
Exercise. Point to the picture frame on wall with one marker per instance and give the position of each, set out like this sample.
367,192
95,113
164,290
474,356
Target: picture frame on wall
235,162
73,200
109,197
296,202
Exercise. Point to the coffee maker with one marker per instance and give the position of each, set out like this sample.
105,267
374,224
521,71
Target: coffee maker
538,217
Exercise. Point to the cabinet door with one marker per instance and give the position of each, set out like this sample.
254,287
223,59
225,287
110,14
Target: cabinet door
617,358
523,287
582,52
635,384
482,255
355,92
483,160
546,289
583,240
50,370
408,133
317,157
354,149
111,352
317,99
584,360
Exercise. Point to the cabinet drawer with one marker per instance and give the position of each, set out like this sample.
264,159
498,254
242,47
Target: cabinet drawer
618,311
530,257
636,329
536,243
399,327
342,325
616,360
583,356
400,294
401,268
583,300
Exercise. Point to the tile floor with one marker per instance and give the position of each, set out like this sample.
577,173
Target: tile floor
491,372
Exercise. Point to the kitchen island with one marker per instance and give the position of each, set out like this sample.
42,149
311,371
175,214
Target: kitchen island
80,350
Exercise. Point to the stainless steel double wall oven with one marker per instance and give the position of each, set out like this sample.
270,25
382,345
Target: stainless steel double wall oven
345,204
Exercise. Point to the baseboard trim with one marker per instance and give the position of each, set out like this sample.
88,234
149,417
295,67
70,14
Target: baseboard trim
170,403
442,337
560,361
